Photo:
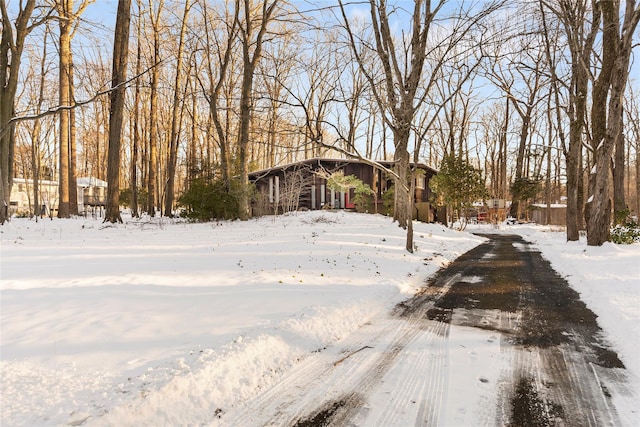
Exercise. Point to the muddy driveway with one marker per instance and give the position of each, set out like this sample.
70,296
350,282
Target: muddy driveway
497,338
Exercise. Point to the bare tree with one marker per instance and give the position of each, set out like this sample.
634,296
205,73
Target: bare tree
67,20
632,111
136,117
252,31
276,71
178,102
493,133
402,87
607,110
11,48
36,134
219,44
400,82
581,24
152,168
518,73
120,56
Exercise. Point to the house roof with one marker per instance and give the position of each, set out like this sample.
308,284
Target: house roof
320,160
81,182
91,182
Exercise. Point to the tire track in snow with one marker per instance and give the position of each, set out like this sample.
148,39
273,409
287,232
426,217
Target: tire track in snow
319,382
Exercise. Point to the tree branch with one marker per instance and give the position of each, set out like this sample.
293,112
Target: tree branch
57,109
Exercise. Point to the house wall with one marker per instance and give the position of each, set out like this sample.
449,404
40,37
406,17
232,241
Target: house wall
21,200
315,193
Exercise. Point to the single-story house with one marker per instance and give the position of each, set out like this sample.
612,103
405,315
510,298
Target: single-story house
303,185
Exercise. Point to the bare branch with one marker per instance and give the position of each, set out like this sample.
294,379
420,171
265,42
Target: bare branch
76,104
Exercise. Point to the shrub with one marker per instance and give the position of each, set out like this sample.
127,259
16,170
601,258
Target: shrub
388,200
625,234
126,197
205,201
362,192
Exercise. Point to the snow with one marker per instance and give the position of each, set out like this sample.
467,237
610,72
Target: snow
163,322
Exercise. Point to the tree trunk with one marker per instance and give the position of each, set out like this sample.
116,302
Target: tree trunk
73,176
620,209
218,75
65,8
120,55
135,140
574,21
10,58
153,113
402,197
36,134
175,118
251,40
606,117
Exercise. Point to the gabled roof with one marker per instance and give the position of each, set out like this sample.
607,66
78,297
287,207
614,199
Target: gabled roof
321,160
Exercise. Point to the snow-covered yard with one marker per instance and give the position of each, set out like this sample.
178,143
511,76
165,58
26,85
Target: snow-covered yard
164,319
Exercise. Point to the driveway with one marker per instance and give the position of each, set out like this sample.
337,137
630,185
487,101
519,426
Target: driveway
497,338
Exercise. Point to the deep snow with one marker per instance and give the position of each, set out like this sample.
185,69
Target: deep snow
165,322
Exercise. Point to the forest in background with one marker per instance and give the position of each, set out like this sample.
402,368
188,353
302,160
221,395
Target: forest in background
534,94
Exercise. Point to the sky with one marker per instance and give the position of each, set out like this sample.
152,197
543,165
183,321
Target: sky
162,322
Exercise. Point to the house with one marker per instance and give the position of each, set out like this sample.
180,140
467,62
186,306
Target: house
92,193
303,185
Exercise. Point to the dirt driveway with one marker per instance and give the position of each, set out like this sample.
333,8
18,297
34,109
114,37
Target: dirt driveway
497,338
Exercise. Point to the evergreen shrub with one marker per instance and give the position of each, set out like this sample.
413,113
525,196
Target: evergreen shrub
625,234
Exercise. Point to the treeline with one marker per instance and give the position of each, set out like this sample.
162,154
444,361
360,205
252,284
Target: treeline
533,94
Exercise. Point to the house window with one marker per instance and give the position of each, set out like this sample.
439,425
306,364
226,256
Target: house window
420,182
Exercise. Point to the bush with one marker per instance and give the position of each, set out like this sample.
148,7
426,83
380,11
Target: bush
361,191
206,201
625,234
388,201
126,197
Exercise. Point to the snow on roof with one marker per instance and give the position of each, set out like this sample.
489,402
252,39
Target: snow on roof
91,182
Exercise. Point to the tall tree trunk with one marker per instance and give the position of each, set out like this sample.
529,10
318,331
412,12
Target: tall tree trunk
65,10
153,114
606,112
11,47
581,40
135,140
252,42
503,155
218,75
73,176
402,197
67,185
36,135
620,209
120,55
175,118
